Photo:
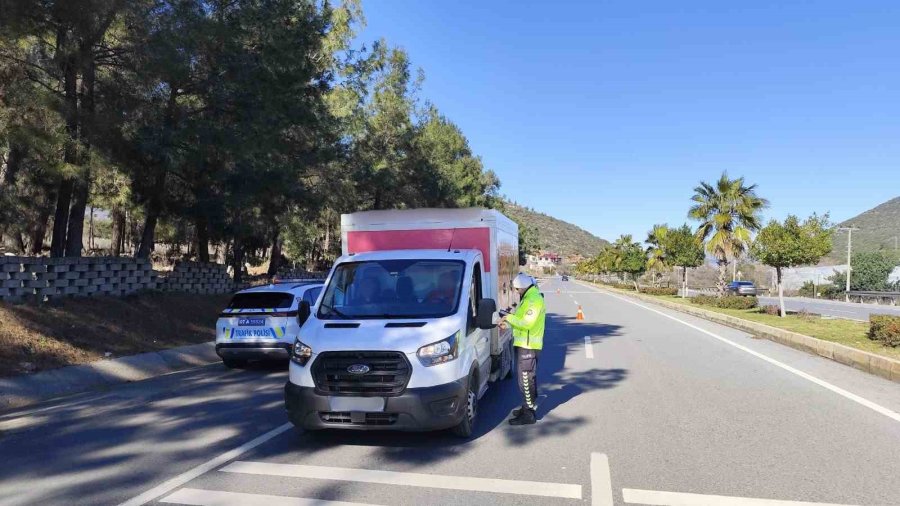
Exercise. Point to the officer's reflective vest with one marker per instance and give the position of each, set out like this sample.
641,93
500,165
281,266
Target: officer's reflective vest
528,321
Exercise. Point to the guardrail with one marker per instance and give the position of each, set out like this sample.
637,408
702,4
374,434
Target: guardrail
890,298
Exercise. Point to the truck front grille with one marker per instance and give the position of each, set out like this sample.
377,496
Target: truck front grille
345,417
387,376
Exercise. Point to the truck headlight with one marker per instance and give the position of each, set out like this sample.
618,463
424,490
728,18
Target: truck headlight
300,353
442,351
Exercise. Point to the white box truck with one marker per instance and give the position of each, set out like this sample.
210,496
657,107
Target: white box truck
404,334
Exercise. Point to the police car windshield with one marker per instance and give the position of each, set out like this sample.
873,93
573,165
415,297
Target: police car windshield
257,300
393,289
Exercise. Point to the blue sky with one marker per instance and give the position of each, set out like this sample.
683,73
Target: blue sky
608,113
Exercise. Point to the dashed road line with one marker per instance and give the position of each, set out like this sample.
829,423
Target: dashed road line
209,465
601,484
655,498
588,347
197,497
467,483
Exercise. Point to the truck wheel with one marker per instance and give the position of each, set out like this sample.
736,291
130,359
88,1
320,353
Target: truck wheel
234,363
465,427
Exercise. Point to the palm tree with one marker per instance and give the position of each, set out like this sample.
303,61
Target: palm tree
657,252
728,212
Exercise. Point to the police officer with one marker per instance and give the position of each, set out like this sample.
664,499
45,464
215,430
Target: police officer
528,338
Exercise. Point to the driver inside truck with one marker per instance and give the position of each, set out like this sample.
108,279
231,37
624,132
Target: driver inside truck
369,290
445,293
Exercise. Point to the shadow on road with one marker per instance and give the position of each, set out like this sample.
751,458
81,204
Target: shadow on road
557,386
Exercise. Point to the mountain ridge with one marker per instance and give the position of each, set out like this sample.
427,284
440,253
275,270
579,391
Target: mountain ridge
553,234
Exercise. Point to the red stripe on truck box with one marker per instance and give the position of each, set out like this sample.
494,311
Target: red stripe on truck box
436,238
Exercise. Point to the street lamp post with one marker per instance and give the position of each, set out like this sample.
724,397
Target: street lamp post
849,231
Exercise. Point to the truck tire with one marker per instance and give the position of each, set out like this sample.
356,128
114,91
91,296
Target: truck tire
234,363
511,355
467,424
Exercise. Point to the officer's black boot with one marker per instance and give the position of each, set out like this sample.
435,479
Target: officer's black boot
525,417
518,411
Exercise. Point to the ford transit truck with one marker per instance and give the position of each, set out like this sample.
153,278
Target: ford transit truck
404,334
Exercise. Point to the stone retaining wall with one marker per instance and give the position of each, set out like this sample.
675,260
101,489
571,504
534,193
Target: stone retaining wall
45,278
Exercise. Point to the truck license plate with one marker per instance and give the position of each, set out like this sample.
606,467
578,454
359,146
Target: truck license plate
365,404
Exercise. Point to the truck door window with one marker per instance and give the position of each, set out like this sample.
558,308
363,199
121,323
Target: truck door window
474,298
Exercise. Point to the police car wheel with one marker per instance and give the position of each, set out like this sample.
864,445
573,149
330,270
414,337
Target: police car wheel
234,363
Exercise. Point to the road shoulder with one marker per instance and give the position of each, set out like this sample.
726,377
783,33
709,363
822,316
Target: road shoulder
25,390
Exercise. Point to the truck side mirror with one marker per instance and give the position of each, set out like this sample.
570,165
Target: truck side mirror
303,312
484,319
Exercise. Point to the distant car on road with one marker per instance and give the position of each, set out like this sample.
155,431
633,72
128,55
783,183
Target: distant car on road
261,323
565,278
741,288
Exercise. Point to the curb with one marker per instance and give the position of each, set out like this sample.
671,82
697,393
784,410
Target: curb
884,367
20,391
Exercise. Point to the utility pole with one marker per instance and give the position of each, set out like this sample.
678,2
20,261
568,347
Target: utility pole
849,231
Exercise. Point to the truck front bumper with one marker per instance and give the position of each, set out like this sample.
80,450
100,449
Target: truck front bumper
273,350
416,409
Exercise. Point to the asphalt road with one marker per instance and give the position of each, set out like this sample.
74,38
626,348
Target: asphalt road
639,405
837,309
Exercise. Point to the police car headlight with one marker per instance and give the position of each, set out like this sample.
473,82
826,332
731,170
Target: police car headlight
440,352
300,353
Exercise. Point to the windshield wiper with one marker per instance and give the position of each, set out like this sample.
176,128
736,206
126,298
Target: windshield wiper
334,311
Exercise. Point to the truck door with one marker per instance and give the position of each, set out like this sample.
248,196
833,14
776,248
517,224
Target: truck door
480,338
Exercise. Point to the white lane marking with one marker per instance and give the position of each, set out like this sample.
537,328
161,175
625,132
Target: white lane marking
601,484
576,302
209,465
588,347
653,497
197,497
534,488
822,383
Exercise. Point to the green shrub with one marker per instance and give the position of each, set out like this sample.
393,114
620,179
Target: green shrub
652,290
825,291
726,302
885,329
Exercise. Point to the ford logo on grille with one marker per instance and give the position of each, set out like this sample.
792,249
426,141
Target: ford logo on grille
358,369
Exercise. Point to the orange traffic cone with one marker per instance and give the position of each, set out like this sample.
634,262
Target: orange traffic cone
580,314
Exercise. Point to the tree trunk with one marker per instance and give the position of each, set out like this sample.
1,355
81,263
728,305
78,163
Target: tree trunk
780,292
237,260
154,209
723,272
40,230
202,237
148,232
70,155
13,164
118,231
275,255
75,232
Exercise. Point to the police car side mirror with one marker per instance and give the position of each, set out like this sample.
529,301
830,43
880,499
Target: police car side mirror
303,312
484,318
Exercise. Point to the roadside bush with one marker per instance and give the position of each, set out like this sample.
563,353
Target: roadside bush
826,291
727,302
885,329
770,310
652,290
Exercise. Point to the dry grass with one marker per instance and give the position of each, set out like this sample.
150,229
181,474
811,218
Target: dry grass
35,337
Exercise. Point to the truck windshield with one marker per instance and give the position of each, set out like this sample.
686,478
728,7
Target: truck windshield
393,289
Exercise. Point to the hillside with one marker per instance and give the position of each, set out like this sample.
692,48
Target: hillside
555,235
879,228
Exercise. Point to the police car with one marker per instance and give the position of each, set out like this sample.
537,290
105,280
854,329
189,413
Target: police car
261,323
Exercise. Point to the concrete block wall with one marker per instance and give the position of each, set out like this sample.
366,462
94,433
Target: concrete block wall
47,278
198,277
